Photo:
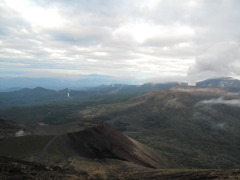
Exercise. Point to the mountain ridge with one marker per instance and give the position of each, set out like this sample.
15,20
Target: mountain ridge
187,125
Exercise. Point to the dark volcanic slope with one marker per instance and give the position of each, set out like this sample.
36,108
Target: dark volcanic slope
192,127
99,141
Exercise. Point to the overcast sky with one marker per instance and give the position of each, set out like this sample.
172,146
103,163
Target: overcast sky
147,40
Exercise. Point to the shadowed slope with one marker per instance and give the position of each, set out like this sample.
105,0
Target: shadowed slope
99,141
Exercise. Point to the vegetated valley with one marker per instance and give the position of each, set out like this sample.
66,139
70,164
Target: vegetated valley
152,131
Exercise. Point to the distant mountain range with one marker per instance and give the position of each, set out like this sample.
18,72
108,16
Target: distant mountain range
9,83
39,95
103,82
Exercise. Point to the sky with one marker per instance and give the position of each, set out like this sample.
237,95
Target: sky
143,40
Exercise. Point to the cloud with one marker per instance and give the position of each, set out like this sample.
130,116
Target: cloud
189,89
149,40
218,40
220,100
222,59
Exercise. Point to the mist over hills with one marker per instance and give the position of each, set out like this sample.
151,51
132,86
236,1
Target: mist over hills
226,83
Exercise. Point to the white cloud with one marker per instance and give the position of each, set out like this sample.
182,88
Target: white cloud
153,39
220,100
35,15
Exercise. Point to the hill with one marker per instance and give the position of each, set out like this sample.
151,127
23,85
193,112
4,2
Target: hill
192,127
91,150
92,140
